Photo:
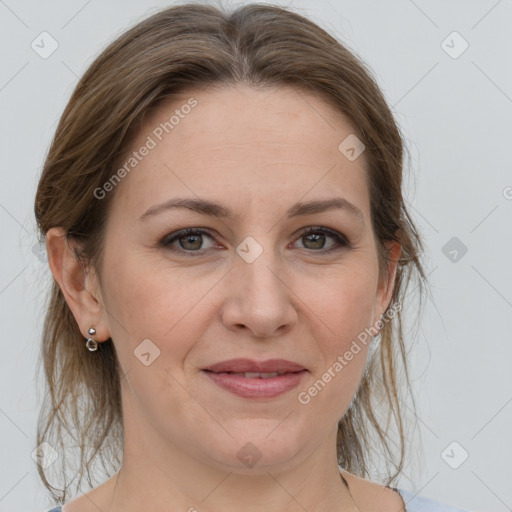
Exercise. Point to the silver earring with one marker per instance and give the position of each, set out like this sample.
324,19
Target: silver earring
91,344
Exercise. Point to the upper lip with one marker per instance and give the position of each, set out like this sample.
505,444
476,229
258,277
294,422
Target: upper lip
249,365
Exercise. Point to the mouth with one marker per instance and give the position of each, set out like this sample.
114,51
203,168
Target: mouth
269,366
252,375
256,380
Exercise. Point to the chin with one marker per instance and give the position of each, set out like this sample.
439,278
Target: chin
258,449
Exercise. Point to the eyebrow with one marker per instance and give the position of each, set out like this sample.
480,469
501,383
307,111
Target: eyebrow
215,209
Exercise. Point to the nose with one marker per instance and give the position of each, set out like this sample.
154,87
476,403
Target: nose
259,299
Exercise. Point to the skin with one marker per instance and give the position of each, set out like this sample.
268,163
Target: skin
258,152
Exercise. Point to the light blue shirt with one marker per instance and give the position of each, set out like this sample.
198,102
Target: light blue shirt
413,503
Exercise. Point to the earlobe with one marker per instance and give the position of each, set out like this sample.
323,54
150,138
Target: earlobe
77,283
387,281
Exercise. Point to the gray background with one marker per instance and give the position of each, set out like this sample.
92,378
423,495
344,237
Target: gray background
455,114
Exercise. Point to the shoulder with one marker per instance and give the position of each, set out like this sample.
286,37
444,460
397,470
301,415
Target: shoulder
93,501
373,497
415,503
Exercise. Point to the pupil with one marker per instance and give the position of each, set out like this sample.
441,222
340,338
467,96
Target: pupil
318,239
191,239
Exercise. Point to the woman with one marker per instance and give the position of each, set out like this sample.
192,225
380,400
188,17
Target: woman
224,220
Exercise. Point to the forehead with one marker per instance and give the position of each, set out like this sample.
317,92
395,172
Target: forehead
244,143
241,115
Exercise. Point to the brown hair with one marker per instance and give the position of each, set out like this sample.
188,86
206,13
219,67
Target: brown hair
181,48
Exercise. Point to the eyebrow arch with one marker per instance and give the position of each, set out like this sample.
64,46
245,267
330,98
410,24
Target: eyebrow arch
214,209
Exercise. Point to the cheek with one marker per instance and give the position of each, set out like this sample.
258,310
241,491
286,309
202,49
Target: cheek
345,310
148,301
164,307
344,300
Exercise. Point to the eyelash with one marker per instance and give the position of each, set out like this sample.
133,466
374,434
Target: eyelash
341,240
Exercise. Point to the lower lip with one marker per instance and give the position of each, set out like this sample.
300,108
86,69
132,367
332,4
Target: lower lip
256,387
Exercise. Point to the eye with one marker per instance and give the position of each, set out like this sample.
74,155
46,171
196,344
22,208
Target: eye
189,240
315,238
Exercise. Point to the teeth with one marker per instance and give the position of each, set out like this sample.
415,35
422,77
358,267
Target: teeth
257,375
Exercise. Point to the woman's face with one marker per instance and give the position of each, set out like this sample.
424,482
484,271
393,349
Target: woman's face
247,282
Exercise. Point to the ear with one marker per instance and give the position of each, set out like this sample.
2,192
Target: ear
387,278
78,283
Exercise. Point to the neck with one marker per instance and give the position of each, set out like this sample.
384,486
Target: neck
174,481
271,492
